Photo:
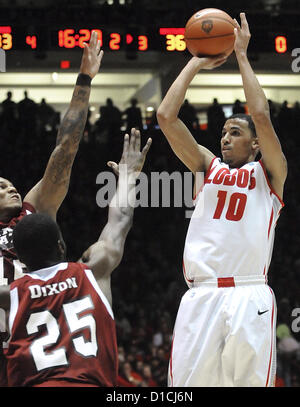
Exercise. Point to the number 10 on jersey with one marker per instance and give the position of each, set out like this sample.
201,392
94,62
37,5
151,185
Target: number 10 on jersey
236,206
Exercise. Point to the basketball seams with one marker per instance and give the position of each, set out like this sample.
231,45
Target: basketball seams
209,18
208,38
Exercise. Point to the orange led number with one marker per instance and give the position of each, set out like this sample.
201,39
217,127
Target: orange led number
68,40
31,41
5,41
84,37
99,32
280,44
143,43
114,43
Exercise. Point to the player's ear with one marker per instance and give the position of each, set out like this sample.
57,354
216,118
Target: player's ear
61,247
255,146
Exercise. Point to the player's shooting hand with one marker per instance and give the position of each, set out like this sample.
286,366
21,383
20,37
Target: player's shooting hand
92,56
242,35
133,158
212,62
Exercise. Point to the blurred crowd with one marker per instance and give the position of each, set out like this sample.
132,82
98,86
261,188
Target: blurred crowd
148,284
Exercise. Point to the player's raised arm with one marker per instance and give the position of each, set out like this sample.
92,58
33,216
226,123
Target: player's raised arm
194,156
270,148
105,255
50,192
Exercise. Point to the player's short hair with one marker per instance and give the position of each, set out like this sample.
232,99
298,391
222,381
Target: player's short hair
35,239
248,119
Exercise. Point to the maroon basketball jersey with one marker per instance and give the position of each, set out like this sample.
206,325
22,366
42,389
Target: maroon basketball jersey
10,269
62,328
10,266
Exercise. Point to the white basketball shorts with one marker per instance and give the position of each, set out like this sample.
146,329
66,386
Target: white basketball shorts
225,336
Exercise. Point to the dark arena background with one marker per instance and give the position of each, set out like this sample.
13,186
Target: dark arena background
144,52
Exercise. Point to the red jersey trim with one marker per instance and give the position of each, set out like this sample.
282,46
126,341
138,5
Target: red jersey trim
270,223
185,276
269,184
226,282
271,350
205,178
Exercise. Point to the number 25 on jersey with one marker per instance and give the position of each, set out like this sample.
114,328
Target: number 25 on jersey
75,323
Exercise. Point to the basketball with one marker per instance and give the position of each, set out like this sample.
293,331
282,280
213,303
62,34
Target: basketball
210,32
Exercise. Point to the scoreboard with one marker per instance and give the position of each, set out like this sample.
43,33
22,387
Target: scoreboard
162,39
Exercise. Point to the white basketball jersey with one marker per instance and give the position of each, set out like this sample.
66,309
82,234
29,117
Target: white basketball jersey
231,232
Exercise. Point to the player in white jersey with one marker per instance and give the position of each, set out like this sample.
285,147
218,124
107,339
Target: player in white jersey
224,333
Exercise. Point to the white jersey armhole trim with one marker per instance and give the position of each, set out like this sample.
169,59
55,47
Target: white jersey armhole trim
14,305
269,184
47,272
199,189
94,283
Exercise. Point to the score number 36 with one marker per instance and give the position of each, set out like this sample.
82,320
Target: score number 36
175,42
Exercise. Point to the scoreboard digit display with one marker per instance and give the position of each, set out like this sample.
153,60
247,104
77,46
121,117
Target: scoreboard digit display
174,38
281,44
6,41
5,38
162,39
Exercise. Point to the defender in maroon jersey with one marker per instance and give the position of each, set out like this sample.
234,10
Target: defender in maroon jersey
62,329
48,194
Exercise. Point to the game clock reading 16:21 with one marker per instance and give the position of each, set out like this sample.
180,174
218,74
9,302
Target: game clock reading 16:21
68,38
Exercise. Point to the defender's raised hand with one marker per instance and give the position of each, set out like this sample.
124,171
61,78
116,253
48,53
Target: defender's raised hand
92,56
132,157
